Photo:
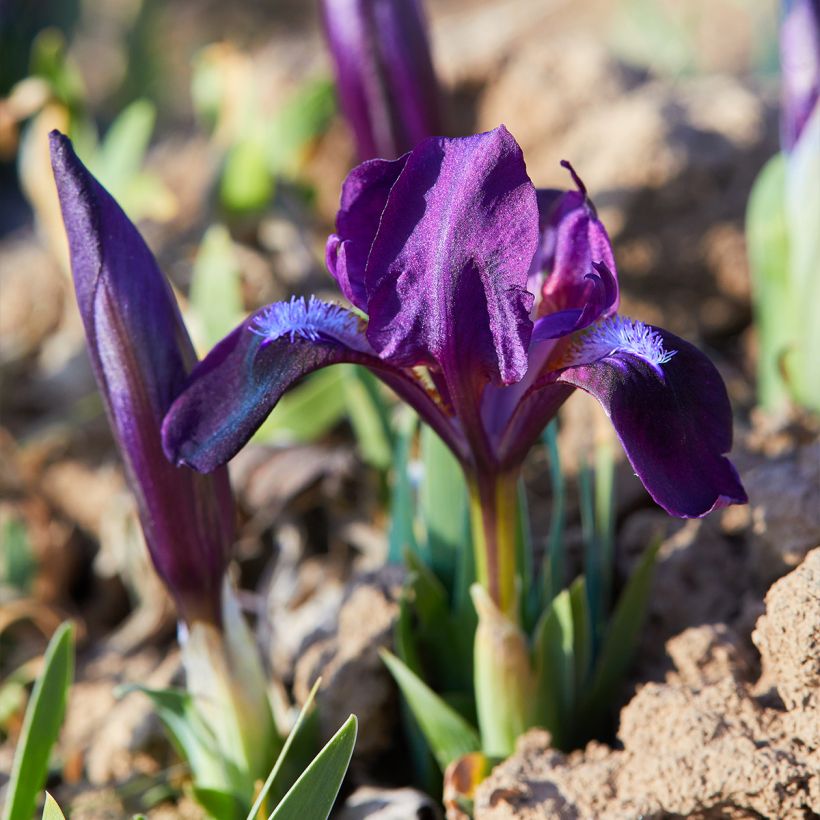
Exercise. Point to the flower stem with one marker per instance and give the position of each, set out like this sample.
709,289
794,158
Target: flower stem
494,517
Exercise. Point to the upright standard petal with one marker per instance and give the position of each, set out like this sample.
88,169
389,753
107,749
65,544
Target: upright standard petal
670,409
386,82
237,385
364,195
574,248
141,356
447,273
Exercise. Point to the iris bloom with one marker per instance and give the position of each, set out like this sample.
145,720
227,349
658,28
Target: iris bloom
486,304
384,73
141,355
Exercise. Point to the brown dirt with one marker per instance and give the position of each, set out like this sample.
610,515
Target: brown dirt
703,744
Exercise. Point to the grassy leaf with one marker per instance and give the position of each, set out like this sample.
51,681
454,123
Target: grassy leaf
313,794
51,810
553,572
367,410
621,636
803,217
443,505
247,184
216,287
122,152
554,656
193,739
402,506
581,632
269,787
41,725
447,732
768,243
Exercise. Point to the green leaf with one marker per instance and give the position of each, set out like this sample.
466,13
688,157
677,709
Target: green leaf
218,803
51,810
41,725
313,794
402,536
216,286
554,560
193,740
803,217
271,786
367,410
447,732
581,631
308,411
247,183
441,634
122,152
621,636
17,563
443,505
767,236
298,123
554,656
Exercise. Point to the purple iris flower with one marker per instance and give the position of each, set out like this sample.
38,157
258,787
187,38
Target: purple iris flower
386,83
800,66
141,355
483,303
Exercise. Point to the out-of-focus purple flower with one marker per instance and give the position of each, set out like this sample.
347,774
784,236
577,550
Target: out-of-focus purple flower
386,83
141,355
487,304
800,67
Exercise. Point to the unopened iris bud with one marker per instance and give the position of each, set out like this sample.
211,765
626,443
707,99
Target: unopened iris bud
800,66
141,355
386,83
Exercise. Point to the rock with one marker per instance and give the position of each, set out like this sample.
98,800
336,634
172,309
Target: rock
788,636
389,804
700,745
354,679
784,495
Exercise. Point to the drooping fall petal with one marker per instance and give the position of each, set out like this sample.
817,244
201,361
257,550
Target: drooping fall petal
141,355
670,410
240,381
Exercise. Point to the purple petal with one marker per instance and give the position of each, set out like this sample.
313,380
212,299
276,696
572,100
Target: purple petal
800,67
364,195
670,409
447,273
573,244
600,303
141,356
233,390
386,83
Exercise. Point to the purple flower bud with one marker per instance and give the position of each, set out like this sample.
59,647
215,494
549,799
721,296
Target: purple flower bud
141,355
800,67
387,86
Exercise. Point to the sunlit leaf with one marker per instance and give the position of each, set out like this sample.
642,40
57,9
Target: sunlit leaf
41,725
447,732
313,794
216,286
367,410
51,810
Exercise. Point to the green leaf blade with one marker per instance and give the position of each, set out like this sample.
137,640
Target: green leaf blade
41,725
448,734
314,793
